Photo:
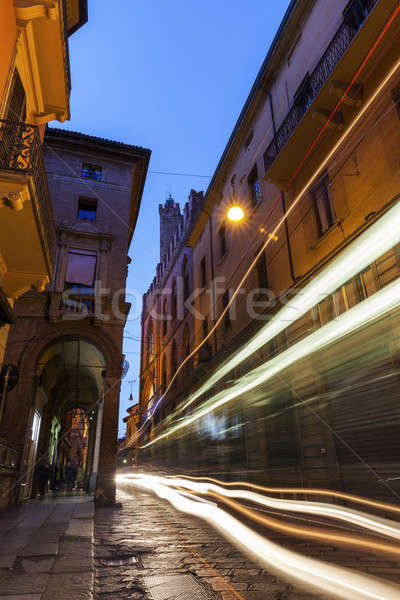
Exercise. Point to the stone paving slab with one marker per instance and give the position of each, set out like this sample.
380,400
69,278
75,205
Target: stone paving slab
80,528
84,511
44,549
67,586
47,551
24,583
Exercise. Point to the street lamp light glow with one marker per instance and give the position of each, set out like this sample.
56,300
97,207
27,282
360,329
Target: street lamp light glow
235,213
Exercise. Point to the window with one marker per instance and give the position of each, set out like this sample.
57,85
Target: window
81,268
261,270
186,349
174,358
222,240
357,11
203,272
323,206
87,208
186,282
303,97
10,137
225,302
149,340
16,108
254,186
164,317
91,171
174,300
164,372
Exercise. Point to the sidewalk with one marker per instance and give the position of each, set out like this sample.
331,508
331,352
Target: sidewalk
46,550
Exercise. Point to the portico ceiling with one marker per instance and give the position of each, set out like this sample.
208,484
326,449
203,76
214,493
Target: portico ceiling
72,369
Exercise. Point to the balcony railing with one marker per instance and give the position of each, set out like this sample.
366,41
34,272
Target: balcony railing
79,304
21,153
354,19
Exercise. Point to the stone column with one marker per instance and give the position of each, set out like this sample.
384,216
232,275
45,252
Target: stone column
97,442
61,264
105,486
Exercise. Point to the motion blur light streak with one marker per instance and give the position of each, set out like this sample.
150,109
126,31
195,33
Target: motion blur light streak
371,244
369,309
322,535
368,246
332,273
311,491
355,517
308,572
371,522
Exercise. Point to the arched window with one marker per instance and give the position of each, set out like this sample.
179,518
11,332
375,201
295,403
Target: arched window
186,348
164,317
185,277
150,340
174,358
174,300
164,372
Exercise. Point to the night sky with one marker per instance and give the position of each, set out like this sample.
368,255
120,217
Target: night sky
171,76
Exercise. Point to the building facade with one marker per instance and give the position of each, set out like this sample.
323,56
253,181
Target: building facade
313,161
167,325
127,455
67,341
34,89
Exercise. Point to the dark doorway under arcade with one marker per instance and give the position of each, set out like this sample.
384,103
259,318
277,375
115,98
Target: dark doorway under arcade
71,374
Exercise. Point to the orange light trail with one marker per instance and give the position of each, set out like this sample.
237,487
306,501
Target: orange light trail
318,533
312,491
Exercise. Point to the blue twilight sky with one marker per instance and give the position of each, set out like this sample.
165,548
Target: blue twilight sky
171,76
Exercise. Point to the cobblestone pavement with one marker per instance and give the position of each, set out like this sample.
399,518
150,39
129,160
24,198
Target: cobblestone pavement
149,550
46,550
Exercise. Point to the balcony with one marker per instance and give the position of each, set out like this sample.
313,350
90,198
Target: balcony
79,306
321,90
27,231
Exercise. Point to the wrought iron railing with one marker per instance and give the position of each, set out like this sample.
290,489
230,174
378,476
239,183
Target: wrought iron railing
330,59
21,152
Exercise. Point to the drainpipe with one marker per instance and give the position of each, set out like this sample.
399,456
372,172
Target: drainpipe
283,203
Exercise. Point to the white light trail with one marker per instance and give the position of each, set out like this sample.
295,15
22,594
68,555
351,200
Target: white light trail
355,517
363,251
310,573
257,342
366,311
368,247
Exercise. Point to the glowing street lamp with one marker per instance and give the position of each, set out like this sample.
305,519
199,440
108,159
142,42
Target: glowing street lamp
235,213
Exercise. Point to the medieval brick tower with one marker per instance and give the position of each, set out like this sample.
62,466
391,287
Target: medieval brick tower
170,214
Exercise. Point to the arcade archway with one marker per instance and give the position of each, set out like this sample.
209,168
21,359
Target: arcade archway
71,378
